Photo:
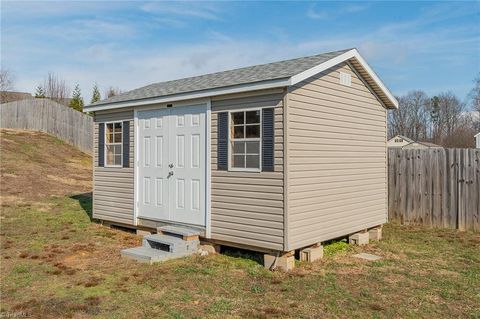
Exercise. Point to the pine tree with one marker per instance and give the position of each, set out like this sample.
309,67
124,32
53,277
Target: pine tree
435,117
96,94
40,92
77,101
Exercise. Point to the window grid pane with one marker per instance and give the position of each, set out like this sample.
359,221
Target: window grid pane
252,131
238,118
252,148
245,133
252,117
238,161
113,144
252,161
239,132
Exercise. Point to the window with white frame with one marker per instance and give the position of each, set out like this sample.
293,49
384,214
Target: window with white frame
245,140
113,144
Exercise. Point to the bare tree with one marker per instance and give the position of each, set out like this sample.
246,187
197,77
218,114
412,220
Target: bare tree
397,120
56,88
441,119
474,94
450,112
461,137
474,99
7,80
411,119
112,91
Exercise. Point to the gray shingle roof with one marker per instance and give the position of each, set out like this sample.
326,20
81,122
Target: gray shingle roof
251,74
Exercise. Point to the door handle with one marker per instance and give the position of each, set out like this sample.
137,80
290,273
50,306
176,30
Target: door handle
170,174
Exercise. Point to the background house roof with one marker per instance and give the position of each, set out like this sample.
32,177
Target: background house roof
403,137
431,145
251,74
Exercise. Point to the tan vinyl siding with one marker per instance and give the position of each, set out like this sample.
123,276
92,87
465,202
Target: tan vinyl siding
336,158
113,196
247,207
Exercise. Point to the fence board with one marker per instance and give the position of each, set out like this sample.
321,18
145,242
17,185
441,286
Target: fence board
45,115
435,187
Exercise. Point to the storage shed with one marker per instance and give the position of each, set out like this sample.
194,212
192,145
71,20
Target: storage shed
273,157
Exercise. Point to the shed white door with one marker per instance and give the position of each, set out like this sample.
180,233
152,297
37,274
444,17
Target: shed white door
172,164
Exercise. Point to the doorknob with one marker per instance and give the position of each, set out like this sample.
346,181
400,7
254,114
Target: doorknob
170,174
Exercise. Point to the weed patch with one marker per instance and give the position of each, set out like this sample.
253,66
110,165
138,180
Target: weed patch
335,247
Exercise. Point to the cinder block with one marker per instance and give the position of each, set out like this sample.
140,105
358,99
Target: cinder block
211,249
311,254
359,239
141,232
285,262
375,233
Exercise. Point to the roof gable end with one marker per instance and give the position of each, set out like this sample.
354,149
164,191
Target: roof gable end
354,57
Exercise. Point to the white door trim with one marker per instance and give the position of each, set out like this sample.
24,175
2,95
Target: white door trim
135,167
207,160
208,176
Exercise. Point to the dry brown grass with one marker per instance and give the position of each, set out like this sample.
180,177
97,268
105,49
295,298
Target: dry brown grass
35,166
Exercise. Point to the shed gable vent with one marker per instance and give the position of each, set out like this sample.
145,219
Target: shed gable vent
345,79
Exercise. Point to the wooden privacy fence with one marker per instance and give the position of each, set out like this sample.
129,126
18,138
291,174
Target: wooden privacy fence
435,187
48,116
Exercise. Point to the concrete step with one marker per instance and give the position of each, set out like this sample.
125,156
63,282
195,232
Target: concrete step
179,231
169,243
150,255
143,254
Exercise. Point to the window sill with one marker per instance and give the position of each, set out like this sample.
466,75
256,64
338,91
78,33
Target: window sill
113,166
246,170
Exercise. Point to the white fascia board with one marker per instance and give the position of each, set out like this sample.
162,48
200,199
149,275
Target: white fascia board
194,95
339,59
321,67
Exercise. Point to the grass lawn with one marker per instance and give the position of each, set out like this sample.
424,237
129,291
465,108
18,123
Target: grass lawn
57,263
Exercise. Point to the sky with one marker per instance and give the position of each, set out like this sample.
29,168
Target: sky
430,46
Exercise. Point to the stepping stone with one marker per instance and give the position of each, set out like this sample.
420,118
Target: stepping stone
368,257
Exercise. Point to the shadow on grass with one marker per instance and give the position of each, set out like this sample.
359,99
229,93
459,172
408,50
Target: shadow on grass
242,253
85,201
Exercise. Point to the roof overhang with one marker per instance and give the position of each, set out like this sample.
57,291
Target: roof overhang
192,95
352,56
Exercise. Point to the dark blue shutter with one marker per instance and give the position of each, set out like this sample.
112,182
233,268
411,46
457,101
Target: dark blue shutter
101,144
126,144
268,140
222,141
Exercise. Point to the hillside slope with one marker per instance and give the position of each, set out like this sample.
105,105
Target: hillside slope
34,165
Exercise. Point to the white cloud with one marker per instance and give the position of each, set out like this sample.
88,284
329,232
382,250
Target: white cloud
317,14
200,10
314,13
